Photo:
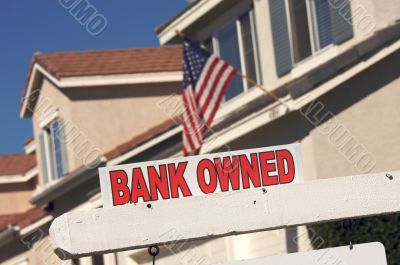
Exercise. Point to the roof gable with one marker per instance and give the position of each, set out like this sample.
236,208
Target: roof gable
98,64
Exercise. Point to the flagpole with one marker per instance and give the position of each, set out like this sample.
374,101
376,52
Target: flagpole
263,89
248,78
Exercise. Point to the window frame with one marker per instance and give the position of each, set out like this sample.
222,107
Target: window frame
216,49
313,31
50,152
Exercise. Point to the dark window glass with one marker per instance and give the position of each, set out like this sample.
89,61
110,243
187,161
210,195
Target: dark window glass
229,51
248,48
97,260
75,262
323,19
57,148
299,30
208,45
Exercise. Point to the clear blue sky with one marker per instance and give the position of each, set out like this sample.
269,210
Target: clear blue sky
28,26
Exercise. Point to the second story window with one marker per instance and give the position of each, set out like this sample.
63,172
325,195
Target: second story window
235,43
302,27
53,155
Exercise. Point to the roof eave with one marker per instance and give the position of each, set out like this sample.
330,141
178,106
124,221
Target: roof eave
8,235
32,91
66,184
166,32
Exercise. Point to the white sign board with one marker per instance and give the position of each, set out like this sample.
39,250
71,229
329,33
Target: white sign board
203,174
362,254
113,229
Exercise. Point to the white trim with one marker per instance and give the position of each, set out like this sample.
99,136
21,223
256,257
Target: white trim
30,147
255,38
19,178
187,19
32,172
123,79
239,35
289,25
312,25
47,118
36,225
331,84
49,157
17,261
28,91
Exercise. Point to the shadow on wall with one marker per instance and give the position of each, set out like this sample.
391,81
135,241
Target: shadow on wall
121,91
294,126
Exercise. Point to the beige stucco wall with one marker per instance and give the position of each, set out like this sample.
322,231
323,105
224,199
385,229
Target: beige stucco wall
109,116
101,118
14,198
366,106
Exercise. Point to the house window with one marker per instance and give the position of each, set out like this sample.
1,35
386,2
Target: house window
52,151
310,27
235,43
300,28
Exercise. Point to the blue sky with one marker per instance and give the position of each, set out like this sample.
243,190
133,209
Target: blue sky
28,26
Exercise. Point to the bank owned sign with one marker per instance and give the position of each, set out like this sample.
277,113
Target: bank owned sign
203,174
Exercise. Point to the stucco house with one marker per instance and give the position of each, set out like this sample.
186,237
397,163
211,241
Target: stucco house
333,63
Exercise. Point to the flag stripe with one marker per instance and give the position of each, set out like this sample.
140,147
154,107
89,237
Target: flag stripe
211,116
192,114
206,79
205,76
216,86
211,83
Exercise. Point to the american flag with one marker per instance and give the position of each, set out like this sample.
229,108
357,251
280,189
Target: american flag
206,78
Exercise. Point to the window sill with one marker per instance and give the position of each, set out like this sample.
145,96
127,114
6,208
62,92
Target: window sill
236,103
51,191
318,58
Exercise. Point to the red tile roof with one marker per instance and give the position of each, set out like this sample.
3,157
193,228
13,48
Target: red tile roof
22,219
111,62
16,164
107,62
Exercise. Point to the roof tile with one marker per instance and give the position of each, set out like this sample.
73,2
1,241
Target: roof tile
115,61
16,164
22,219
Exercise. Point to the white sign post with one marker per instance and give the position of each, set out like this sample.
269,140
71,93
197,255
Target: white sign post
362,254
203,174
145,224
